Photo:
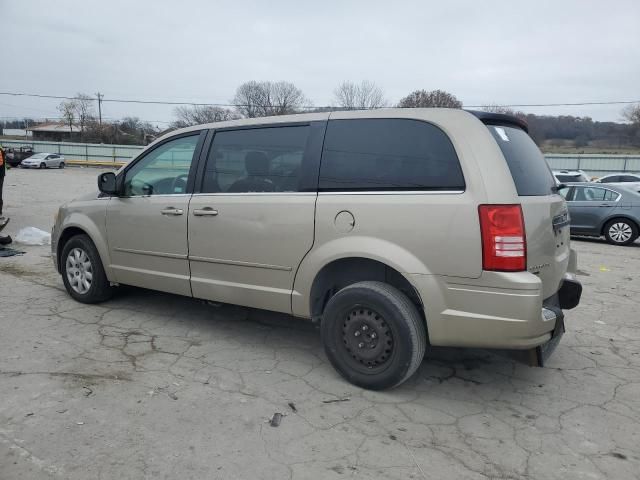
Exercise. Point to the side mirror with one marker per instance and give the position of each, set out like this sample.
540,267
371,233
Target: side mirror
107,183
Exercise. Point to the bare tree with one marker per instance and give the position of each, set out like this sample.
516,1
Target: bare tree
365,95
631,113
260,99
84,110
199,114
495,108
67,109
137,129
286,98
434,98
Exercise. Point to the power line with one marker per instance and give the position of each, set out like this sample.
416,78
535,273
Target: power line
101,98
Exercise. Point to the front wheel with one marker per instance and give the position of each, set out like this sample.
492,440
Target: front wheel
82,271
43,165
621,231
373,335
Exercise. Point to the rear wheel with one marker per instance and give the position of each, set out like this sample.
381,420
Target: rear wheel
373,335
621,231
61,165
82,271
43,165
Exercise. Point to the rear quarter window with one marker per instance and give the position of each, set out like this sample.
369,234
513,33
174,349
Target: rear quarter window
531,174
388,154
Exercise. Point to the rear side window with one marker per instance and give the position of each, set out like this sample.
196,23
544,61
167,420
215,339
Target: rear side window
256,160
388,154
594,194
529,169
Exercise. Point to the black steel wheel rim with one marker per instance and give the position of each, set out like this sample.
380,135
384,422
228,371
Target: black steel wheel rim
367,339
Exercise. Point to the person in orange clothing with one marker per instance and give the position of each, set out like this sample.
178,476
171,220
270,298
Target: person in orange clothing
3,169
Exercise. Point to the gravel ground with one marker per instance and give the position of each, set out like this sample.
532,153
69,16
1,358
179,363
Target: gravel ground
151,385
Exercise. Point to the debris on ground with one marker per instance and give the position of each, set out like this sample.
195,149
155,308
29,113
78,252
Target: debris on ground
336,400
88,391
292,406
276,419
33,236
166,391
9,252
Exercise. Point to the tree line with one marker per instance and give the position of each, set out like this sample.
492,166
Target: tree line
266,98
258,99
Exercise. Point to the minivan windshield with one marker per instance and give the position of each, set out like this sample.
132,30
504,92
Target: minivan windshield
531,174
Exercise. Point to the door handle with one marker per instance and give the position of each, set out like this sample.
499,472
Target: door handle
605,205
172,211
205,212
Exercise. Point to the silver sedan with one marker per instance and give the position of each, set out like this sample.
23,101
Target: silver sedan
43,160
605,210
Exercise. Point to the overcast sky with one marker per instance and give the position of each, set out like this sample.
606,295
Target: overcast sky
503,52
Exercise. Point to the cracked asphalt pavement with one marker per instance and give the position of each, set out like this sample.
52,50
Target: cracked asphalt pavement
150,385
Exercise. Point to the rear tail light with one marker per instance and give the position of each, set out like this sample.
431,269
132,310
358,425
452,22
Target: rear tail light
504,245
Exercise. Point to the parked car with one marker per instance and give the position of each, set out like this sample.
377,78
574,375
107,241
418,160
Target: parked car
393,229
15,155
607,210
627,180
43,160
567,176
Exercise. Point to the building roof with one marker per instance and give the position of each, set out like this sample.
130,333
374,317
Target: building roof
54,128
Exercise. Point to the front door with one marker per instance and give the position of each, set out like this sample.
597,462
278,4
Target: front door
147,224
252,222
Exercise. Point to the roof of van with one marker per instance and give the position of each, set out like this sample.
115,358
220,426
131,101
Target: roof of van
486,117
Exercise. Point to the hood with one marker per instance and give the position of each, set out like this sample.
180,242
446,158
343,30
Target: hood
87,196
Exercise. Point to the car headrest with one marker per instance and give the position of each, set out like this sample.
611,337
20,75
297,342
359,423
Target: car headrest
256,163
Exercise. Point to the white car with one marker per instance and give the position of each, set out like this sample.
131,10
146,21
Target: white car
43,160
570,176
626,180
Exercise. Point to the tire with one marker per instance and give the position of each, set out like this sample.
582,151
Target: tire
61,165
73,261
43,165
373,335
621,231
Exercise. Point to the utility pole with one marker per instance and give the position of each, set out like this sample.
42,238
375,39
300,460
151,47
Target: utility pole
100,97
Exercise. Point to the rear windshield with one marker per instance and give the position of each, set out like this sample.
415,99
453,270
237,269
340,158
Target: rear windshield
564,178
529,169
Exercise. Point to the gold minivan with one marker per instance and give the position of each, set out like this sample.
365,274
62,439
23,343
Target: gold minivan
395,229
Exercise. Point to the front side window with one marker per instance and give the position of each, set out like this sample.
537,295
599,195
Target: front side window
267,159
610,179
564,191
164,170
388,154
